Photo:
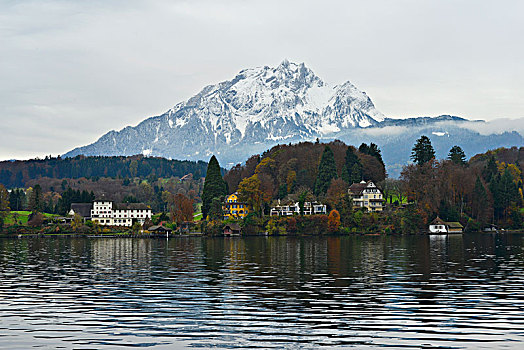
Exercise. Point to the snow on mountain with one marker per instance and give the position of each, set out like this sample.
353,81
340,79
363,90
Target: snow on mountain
264,106
258,106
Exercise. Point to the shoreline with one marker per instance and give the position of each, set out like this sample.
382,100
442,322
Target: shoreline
156,236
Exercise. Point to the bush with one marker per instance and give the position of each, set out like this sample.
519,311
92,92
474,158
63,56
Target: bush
275,227
83,229
212,228
473,226
291,225
312,225
35,219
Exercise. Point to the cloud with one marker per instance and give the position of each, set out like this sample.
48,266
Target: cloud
385,131
497,126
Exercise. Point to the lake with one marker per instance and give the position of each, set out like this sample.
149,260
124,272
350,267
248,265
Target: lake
434,292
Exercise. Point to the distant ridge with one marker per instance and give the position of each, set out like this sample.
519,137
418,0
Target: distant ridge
18,173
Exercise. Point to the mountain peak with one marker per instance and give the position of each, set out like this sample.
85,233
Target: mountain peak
285,63
259,105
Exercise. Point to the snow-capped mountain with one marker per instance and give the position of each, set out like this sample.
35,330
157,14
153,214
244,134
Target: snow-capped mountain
259,106
264,106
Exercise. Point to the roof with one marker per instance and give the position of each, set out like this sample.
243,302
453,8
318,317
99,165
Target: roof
357,188
454,224
185,177
232,227
451,225
103,200
82,209
438,221
159,228
131,206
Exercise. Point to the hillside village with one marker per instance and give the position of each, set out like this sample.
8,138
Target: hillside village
305,188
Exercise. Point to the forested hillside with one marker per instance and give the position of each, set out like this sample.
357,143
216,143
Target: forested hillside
286,168
488,189
15,174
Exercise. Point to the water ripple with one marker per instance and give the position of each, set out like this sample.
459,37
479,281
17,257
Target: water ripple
264,293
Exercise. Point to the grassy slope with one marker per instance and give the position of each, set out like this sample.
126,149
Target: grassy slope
23,216
198,213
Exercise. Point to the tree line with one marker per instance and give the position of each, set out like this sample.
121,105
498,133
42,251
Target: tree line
487,189
17,174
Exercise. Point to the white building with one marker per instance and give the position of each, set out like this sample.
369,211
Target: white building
366,195
440,226
294,209
105,212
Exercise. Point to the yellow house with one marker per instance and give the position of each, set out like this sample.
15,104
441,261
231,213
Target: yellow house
233,209
366,195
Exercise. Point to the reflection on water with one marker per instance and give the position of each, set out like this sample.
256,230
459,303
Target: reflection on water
263,292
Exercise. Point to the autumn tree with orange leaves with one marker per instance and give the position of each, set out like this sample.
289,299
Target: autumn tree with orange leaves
333,221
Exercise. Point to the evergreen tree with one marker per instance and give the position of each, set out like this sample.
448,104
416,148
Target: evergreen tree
505,193
327,171
494,188
17,199
423,151
457,155
351,161
480,199
516,219
371,150
215,210
282,191
302,201
490,170
363,148
13,199
35,202
356,173
448,212
214,186
509,193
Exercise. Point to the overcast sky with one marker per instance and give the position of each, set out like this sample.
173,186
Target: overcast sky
72,70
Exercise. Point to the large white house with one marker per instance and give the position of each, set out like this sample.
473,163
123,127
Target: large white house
108,213
294,209
366,195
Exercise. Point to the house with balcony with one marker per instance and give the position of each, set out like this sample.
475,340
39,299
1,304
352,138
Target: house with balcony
366,195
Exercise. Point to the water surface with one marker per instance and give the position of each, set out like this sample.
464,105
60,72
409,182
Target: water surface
263,292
